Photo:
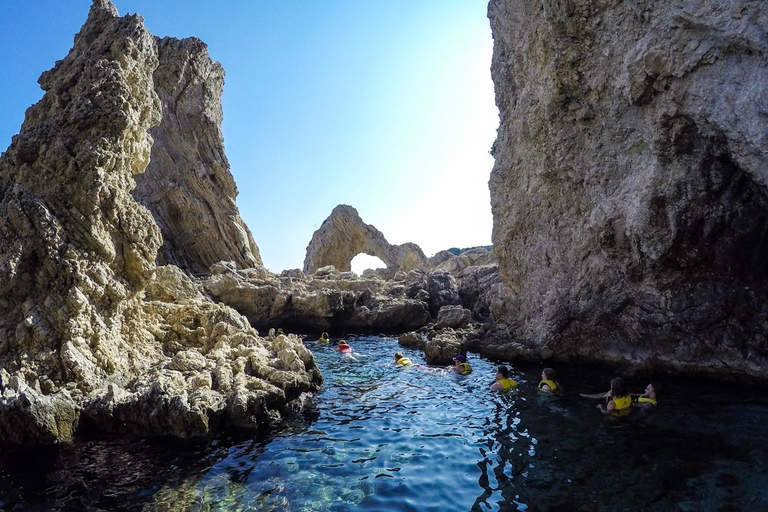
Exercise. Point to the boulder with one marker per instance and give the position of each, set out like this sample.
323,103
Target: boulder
442,348
452,316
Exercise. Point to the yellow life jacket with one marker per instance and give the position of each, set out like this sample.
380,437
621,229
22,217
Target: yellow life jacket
623,405
554,388
646,400
324,340
467,369
507,383
404,361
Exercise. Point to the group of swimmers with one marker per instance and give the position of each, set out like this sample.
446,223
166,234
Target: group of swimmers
618,402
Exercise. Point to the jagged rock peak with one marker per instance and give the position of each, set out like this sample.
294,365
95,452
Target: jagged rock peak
90,328
344,235
188,186
629,191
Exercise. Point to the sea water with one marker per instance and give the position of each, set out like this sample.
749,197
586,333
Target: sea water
382,438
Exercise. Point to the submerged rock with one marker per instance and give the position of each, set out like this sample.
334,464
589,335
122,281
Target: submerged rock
629,190
91,332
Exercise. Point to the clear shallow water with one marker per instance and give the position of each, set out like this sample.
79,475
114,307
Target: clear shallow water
387,439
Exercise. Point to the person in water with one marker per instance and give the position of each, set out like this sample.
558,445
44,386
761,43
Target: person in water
549,384
324,338
502,380
345,349
461,366
649,397
400,360
619,402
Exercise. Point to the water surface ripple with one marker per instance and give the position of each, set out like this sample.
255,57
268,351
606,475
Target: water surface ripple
388,439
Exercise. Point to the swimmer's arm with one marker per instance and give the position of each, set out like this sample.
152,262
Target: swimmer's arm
496,386
608,408
597,395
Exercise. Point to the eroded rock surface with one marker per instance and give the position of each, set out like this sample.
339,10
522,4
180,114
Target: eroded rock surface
344,235
187,185
629,190
90,331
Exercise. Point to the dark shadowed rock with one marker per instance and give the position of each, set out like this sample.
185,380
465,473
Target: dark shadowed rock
629,190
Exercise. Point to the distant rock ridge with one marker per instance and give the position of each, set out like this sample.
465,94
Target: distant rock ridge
92,333
344,235
187,185
630,188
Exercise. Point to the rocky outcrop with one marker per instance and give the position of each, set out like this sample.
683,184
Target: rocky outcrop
91,332
629,191
187,185
344,235
325,300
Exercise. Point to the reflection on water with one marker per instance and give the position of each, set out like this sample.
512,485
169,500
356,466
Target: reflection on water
384,439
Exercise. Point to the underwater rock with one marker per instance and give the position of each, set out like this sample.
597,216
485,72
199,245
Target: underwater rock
90,329
629,189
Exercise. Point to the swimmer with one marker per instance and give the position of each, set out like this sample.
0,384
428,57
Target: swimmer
502,380
345,349
549,384
324,338
619,403
400,360
649,398
461,366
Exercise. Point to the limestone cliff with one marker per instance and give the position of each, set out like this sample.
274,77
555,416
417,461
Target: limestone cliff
629,191
344,235
187,185
90,330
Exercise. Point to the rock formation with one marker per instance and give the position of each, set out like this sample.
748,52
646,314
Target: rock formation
629,191
332,300
344,235
187,185
91,332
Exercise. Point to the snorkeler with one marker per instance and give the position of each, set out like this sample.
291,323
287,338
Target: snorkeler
324,338
549,384
619,402
461,366
400,360
502,380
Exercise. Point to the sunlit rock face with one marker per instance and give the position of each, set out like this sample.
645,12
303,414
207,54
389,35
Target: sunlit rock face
344,235
629,190
91,332
187,185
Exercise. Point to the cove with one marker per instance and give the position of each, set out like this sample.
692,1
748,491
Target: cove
383,439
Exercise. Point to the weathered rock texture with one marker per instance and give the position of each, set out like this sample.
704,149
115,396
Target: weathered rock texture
344,235
187,185
90,330
333,300
629,190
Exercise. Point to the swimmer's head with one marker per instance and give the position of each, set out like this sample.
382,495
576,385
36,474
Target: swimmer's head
461,358
503,371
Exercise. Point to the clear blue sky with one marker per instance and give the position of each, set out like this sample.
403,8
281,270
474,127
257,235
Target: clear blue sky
386,106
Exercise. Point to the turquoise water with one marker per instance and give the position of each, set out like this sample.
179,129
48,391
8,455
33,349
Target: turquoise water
388,439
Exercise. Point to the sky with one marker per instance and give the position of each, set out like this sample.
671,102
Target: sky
385,106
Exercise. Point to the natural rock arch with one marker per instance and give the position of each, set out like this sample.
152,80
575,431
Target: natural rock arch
344,235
